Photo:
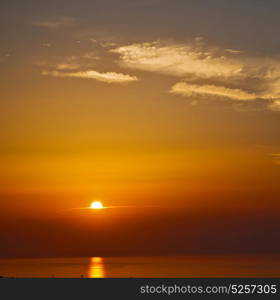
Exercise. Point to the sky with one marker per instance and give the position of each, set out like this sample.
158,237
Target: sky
168,111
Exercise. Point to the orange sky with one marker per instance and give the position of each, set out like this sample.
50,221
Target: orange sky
165,120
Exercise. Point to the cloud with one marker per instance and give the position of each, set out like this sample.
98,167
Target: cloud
91,56
200,70
207,71
67,66
82,66
233,51
186,89
176,60
48,45
275,105
109,77
57,22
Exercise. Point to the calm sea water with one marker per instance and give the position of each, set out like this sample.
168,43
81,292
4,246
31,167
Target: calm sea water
171,266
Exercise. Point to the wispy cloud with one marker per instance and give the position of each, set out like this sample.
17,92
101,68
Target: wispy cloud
108,77
275,105
176,60
82,66
48,45
206,70
200,70
67,66
186,89
55,23
233,51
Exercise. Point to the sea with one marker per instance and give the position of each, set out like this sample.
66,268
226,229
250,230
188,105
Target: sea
143,267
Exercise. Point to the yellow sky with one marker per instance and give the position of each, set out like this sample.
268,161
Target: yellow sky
170,108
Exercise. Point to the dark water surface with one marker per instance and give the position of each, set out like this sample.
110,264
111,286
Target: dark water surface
161,266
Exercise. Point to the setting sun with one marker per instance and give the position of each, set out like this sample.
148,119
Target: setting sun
96,205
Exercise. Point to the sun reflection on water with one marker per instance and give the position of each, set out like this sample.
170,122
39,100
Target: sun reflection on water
96,268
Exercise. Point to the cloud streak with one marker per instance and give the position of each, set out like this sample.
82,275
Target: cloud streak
108,77
186,89
56,22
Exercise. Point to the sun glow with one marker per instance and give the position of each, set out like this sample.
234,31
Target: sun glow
96,205
96,268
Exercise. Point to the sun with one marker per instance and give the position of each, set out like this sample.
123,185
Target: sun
96,205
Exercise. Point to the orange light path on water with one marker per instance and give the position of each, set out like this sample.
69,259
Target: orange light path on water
96,268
